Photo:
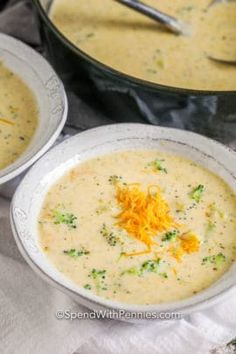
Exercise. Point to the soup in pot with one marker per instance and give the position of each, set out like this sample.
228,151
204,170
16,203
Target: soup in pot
135,45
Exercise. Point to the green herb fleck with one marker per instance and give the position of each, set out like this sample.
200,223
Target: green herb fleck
216,259
132,271
88,286
97,273
99,278
110,237
170,236
219,259
164,275
150,266
197,193
158,165
75,254
207,259
68,219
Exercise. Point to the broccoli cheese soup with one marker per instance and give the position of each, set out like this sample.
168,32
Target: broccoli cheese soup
140,227
133,44
18,116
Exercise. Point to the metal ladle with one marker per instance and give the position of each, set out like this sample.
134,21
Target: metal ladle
173,24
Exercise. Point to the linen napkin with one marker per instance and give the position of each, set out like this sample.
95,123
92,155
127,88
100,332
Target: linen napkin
28,306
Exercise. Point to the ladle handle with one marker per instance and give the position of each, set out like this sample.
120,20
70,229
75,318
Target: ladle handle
168,21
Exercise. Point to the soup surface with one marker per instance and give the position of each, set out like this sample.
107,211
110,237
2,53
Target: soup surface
135,45
140,227
18,116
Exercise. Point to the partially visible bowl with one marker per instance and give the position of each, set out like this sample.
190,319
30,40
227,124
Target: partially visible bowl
39,76
30,194
122,96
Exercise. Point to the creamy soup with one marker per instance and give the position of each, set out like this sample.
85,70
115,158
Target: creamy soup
18,116
140,227
133,44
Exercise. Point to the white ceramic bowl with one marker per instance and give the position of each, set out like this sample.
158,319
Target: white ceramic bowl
51,99
30,194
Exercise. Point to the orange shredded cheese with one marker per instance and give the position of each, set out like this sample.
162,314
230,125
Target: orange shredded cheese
190,243
143,214
6,121
177,253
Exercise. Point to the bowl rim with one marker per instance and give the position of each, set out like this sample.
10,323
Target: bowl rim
134,81
177,306
35,57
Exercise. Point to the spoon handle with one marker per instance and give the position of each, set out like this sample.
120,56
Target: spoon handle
168,21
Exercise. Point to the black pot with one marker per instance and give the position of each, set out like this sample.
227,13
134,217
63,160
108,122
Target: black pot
125,97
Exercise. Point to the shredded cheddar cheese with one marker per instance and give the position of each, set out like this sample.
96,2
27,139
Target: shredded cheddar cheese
190,243
143,214
177,253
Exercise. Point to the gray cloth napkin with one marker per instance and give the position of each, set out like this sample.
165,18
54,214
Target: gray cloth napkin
16,19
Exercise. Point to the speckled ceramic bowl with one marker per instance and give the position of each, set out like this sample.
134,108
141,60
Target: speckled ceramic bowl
30,194
51,99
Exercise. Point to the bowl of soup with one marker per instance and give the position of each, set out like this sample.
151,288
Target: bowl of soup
132,218
33,108
132,64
